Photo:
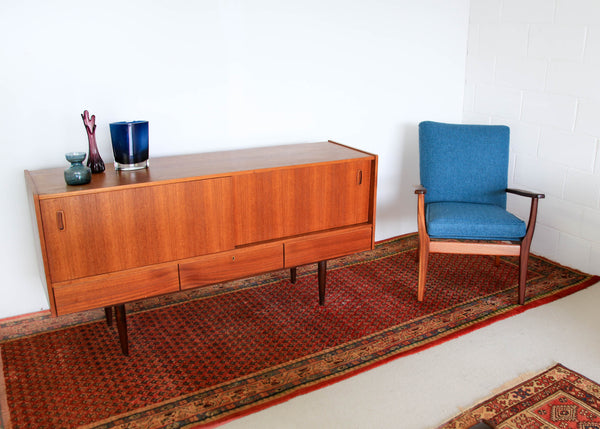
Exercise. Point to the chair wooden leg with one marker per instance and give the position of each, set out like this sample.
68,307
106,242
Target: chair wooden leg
423,260
523,260
497,260
418,250
293,274
525,245
423,245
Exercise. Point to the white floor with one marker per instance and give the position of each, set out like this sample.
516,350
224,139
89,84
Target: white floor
424,390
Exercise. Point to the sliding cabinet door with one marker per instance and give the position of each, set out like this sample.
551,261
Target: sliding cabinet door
297,200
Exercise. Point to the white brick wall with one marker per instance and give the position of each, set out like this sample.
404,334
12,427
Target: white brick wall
558,42
534,65
555,110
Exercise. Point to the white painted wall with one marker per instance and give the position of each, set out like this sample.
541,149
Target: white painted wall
535,65
220,74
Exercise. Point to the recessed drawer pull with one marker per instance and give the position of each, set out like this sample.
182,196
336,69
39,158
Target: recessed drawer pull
60,220
359,177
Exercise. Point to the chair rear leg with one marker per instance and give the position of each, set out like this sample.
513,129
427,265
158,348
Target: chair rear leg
523,260
525,245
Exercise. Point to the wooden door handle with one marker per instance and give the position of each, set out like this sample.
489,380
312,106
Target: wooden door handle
60,220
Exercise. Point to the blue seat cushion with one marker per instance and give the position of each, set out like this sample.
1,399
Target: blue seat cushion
472,221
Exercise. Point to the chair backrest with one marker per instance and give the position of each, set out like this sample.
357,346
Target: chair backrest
464,163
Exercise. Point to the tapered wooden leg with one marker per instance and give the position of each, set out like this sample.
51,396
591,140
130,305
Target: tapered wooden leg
423,260
109,315
497,260
293,272
122,328
322,268
418,250
525,245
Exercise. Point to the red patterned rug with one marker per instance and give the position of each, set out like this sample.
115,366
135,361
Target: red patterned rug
212,354
555,399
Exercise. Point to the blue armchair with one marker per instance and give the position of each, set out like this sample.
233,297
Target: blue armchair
462,198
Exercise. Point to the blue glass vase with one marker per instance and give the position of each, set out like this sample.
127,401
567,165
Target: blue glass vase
77,173
130,144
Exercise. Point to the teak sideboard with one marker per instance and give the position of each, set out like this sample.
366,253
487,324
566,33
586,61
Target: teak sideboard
194,220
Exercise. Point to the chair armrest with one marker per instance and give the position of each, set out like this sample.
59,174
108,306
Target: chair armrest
420,190
535,197
525,193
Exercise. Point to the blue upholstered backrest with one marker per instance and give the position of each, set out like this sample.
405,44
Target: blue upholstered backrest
464,163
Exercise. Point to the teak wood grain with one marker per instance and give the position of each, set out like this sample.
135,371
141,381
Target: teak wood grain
105,232
322,246
290,202
50,182
108,289
193,220
238,263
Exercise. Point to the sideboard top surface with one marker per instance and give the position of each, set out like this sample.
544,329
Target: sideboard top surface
50,182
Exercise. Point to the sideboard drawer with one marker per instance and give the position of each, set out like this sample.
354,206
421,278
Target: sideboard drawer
234,264
328,245
110,289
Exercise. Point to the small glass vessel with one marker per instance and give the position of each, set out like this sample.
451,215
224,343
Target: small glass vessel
130,144
77,173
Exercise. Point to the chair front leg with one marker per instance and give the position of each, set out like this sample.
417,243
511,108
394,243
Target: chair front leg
423,260
423,249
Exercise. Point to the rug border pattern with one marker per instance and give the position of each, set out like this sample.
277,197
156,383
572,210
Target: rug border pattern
558,378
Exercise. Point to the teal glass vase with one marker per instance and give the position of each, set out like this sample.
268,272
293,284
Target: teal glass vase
77,173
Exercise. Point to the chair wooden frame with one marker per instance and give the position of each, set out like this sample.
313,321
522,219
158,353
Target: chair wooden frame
520,248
